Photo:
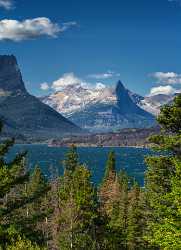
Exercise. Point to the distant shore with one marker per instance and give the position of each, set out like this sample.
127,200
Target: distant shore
82,146
135,138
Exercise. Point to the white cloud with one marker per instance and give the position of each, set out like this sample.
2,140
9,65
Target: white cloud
167,90
6,4
71,80
31,28
68,79
44,86
167,77
106,75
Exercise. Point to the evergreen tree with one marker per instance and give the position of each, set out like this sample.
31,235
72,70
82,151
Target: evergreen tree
135,220
109,187
71,160
13,200
12,174
78,208
113,195
38,211
118,218
23,244
78,212
170,122
162,181
170,226
110,165
170,117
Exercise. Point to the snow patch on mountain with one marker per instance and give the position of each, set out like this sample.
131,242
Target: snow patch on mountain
75,97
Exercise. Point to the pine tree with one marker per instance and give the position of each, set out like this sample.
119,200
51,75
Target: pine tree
110,165
113,195
170,122
13,201
12,174
78,211
170,225
118,217
71,160
135,220
162,181
23,244
109,187
38,211
78,208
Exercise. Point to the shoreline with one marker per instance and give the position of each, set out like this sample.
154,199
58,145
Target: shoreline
81,146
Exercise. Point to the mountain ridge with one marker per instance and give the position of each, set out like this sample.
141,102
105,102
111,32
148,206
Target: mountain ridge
102,109
65,101
23,113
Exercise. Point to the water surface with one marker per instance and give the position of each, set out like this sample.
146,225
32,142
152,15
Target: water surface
50,159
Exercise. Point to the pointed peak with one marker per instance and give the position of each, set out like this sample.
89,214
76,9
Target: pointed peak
7,60
10,75
119,83
120,86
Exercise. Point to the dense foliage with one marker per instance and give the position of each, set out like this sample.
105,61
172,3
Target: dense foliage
69,212
163,181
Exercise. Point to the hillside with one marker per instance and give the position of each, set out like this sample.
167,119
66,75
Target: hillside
24,114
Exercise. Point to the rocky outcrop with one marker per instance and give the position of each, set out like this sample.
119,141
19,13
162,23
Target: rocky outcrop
10,75
25,114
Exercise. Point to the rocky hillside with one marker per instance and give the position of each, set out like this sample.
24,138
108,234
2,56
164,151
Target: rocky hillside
153,104
24,114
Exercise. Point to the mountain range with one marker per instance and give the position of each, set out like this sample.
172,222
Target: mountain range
76,98
103,109
71,110
23,114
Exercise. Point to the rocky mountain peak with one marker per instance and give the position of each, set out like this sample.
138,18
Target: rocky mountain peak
120,86
10,75
124,101
7,60
22,113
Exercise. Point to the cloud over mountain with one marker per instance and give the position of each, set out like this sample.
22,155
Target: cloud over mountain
15,30
166,90
70,80
167,77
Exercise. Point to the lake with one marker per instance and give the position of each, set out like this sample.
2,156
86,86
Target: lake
50,159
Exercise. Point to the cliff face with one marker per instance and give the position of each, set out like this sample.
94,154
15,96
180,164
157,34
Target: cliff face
10,75
23,113
125,103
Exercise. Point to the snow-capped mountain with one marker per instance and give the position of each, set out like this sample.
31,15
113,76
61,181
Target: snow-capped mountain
152,104
101,108
74,98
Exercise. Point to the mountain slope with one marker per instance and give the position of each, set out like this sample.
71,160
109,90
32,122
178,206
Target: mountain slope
153,104
24,113
101,109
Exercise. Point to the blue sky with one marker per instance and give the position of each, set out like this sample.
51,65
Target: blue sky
137,41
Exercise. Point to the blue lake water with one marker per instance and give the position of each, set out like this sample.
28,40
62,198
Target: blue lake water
50,159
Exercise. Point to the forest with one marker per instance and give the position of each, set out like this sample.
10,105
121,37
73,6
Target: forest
70,212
